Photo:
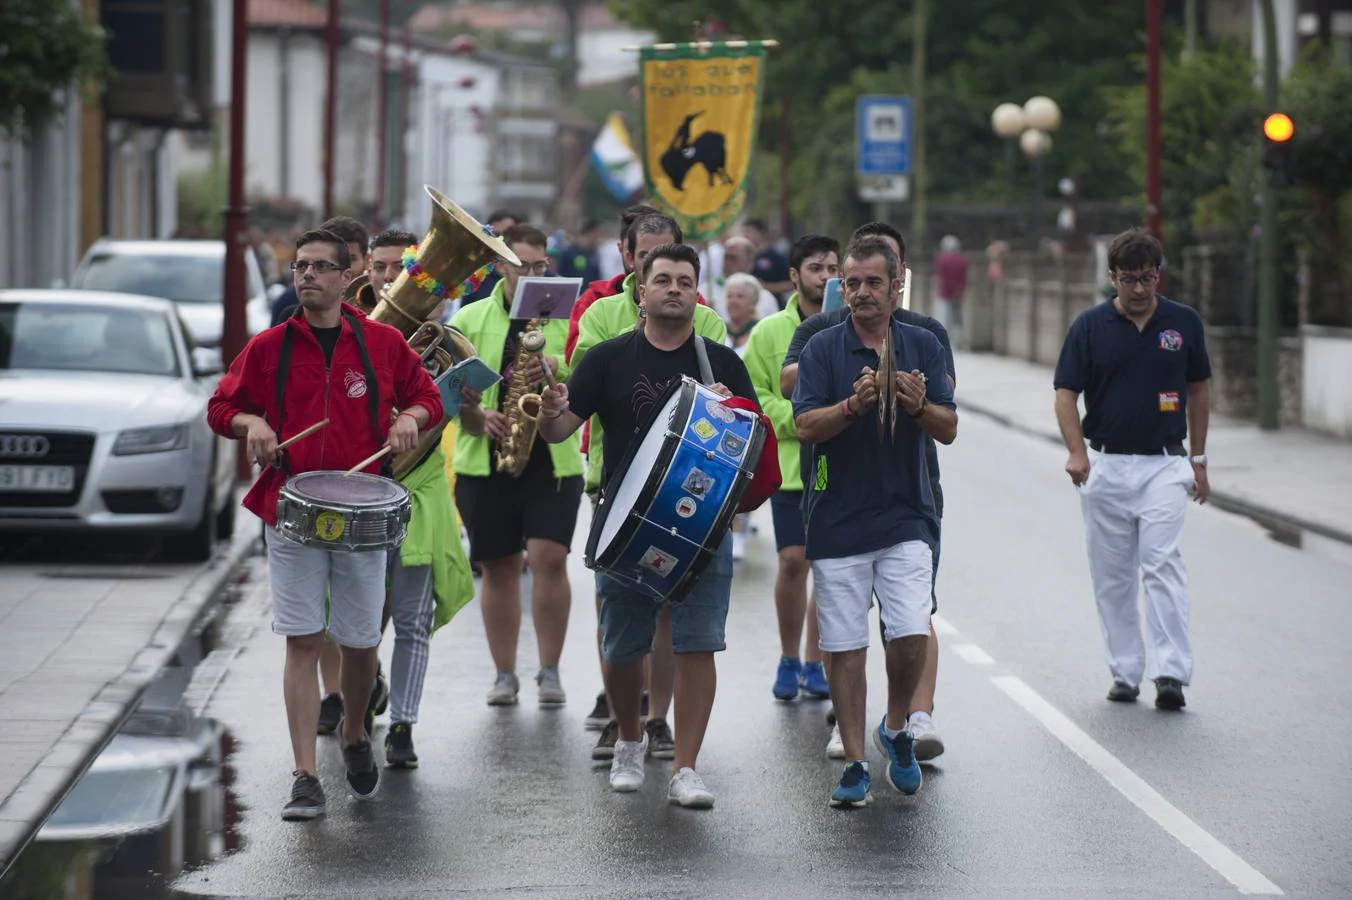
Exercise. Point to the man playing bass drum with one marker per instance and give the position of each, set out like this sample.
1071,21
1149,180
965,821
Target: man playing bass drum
327,361
619,380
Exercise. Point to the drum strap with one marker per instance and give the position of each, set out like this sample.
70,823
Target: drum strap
372,392
706,374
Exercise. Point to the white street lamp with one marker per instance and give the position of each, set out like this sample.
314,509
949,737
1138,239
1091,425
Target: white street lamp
1008,120
1042,113
1031,124
1035,144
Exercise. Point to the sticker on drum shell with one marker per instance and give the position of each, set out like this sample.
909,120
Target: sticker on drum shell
329,526
720,412
655,559
704,429
686,507
697,483
732,445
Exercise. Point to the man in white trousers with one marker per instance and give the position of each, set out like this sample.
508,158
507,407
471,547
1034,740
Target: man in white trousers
1141,363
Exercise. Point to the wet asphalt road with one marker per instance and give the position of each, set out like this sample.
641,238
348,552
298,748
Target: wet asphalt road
1250,787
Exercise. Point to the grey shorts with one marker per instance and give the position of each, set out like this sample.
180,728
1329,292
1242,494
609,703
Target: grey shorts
698,623
314,589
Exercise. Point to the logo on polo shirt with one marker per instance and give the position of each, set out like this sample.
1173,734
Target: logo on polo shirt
356,384
1168,401
1171,340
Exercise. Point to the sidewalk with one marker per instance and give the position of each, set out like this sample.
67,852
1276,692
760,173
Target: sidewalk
79,643
1291,480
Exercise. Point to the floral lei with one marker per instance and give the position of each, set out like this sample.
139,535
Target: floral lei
424,279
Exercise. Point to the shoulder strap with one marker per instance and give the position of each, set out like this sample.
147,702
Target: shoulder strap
706,374
283,367
372,390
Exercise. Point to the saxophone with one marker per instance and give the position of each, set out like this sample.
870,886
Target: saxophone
522,406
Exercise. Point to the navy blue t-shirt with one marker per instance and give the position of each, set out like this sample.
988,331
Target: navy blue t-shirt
863,493
1134,381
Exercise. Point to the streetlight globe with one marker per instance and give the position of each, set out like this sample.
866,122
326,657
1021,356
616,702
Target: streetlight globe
1007,120
1035,143
1042,113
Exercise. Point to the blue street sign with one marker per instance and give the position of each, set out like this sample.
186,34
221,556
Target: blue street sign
883,135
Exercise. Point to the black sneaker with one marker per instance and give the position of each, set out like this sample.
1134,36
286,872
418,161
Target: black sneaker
363,775
1169,694
399,747
380,696
330,713
605,746
307,799
661,744
600,714
831,717
1121,692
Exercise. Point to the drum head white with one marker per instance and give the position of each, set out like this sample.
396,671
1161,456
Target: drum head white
357,489
640,469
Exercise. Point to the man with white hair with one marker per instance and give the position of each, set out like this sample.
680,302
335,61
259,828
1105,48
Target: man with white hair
739,257
950,283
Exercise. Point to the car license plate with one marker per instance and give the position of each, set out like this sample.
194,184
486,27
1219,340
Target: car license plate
37,479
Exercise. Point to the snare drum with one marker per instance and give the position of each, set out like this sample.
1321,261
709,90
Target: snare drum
346,513
669,504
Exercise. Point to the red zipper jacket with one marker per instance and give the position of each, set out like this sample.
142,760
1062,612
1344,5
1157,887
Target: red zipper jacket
313,393
595,291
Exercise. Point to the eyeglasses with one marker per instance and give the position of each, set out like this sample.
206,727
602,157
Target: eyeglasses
1129,281
535,268
320,266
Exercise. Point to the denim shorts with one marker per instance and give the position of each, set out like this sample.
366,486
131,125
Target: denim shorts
698,623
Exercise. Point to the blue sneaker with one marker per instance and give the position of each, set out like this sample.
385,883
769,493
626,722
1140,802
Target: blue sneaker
813,681
903,772
853,790
786,681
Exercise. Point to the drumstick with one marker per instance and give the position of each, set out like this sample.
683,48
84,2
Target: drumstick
370,459
300,434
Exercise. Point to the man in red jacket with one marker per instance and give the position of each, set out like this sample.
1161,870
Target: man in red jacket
608,287
326,361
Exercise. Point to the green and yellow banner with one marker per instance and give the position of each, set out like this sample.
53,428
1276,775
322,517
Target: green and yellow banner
701,103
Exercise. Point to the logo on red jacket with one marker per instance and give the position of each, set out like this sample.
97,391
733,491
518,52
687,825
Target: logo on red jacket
356,384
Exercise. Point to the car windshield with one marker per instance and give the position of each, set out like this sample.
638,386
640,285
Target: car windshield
85,338
183,279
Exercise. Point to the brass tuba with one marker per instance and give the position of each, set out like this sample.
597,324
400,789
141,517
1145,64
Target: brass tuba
454,248
360,293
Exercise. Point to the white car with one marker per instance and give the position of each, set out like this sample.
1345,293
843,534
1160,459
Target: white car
191,273
103,421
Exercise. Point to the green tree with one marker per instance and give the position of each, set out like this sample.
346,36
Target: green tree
46,47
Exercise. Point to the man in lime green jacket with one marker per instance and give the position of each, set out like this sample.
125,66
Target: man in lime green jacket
536,510
608,318
813,260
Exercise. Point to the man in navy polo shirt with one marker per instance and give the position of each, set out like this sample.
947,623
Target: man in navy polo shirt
1141,363
872,519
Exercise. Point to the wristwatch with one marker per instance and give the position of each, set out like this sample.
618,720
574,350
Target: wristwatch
1198,460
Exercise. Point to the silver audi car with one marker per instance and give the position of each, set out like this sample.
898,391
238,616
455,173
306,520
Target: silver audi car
103,421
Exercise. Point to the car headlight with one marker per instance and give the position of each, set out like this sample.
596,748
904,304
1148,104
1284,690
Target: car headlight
151,440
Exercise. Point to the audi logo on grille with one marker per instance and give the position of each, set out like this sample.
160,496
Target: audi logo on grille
24,446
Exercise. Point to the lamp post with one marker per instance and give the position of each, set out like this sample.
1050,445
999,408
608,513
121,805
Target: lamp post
1032,125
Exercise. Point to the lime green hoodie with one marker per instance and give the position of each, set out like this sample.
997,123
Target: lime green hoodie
486,323
609,318
764,357
434,538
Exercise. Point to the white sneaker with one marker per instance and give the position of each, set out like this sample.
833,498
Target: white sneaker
626,767
551,688
928,744
687,789
835,749
738,545
504,690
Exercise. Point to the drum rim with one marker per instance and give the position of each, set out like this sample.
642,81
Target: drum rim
400,494
664,457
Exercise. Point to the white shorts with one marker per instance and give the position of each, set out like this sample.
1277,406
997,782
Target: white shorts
902,577
306,579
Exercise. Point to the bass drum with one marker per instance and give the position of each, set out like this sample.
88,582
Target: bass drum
669,504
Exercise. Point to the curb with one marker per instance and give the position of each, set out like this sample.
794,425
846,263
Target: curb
24,813
1284,526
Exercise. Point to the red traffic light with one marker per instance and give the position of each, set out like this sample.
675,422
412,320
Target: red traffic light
1278,128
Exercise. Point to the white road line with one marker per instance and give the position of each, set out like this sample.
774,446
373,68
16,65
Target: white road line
971,653
1130,785
942,626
